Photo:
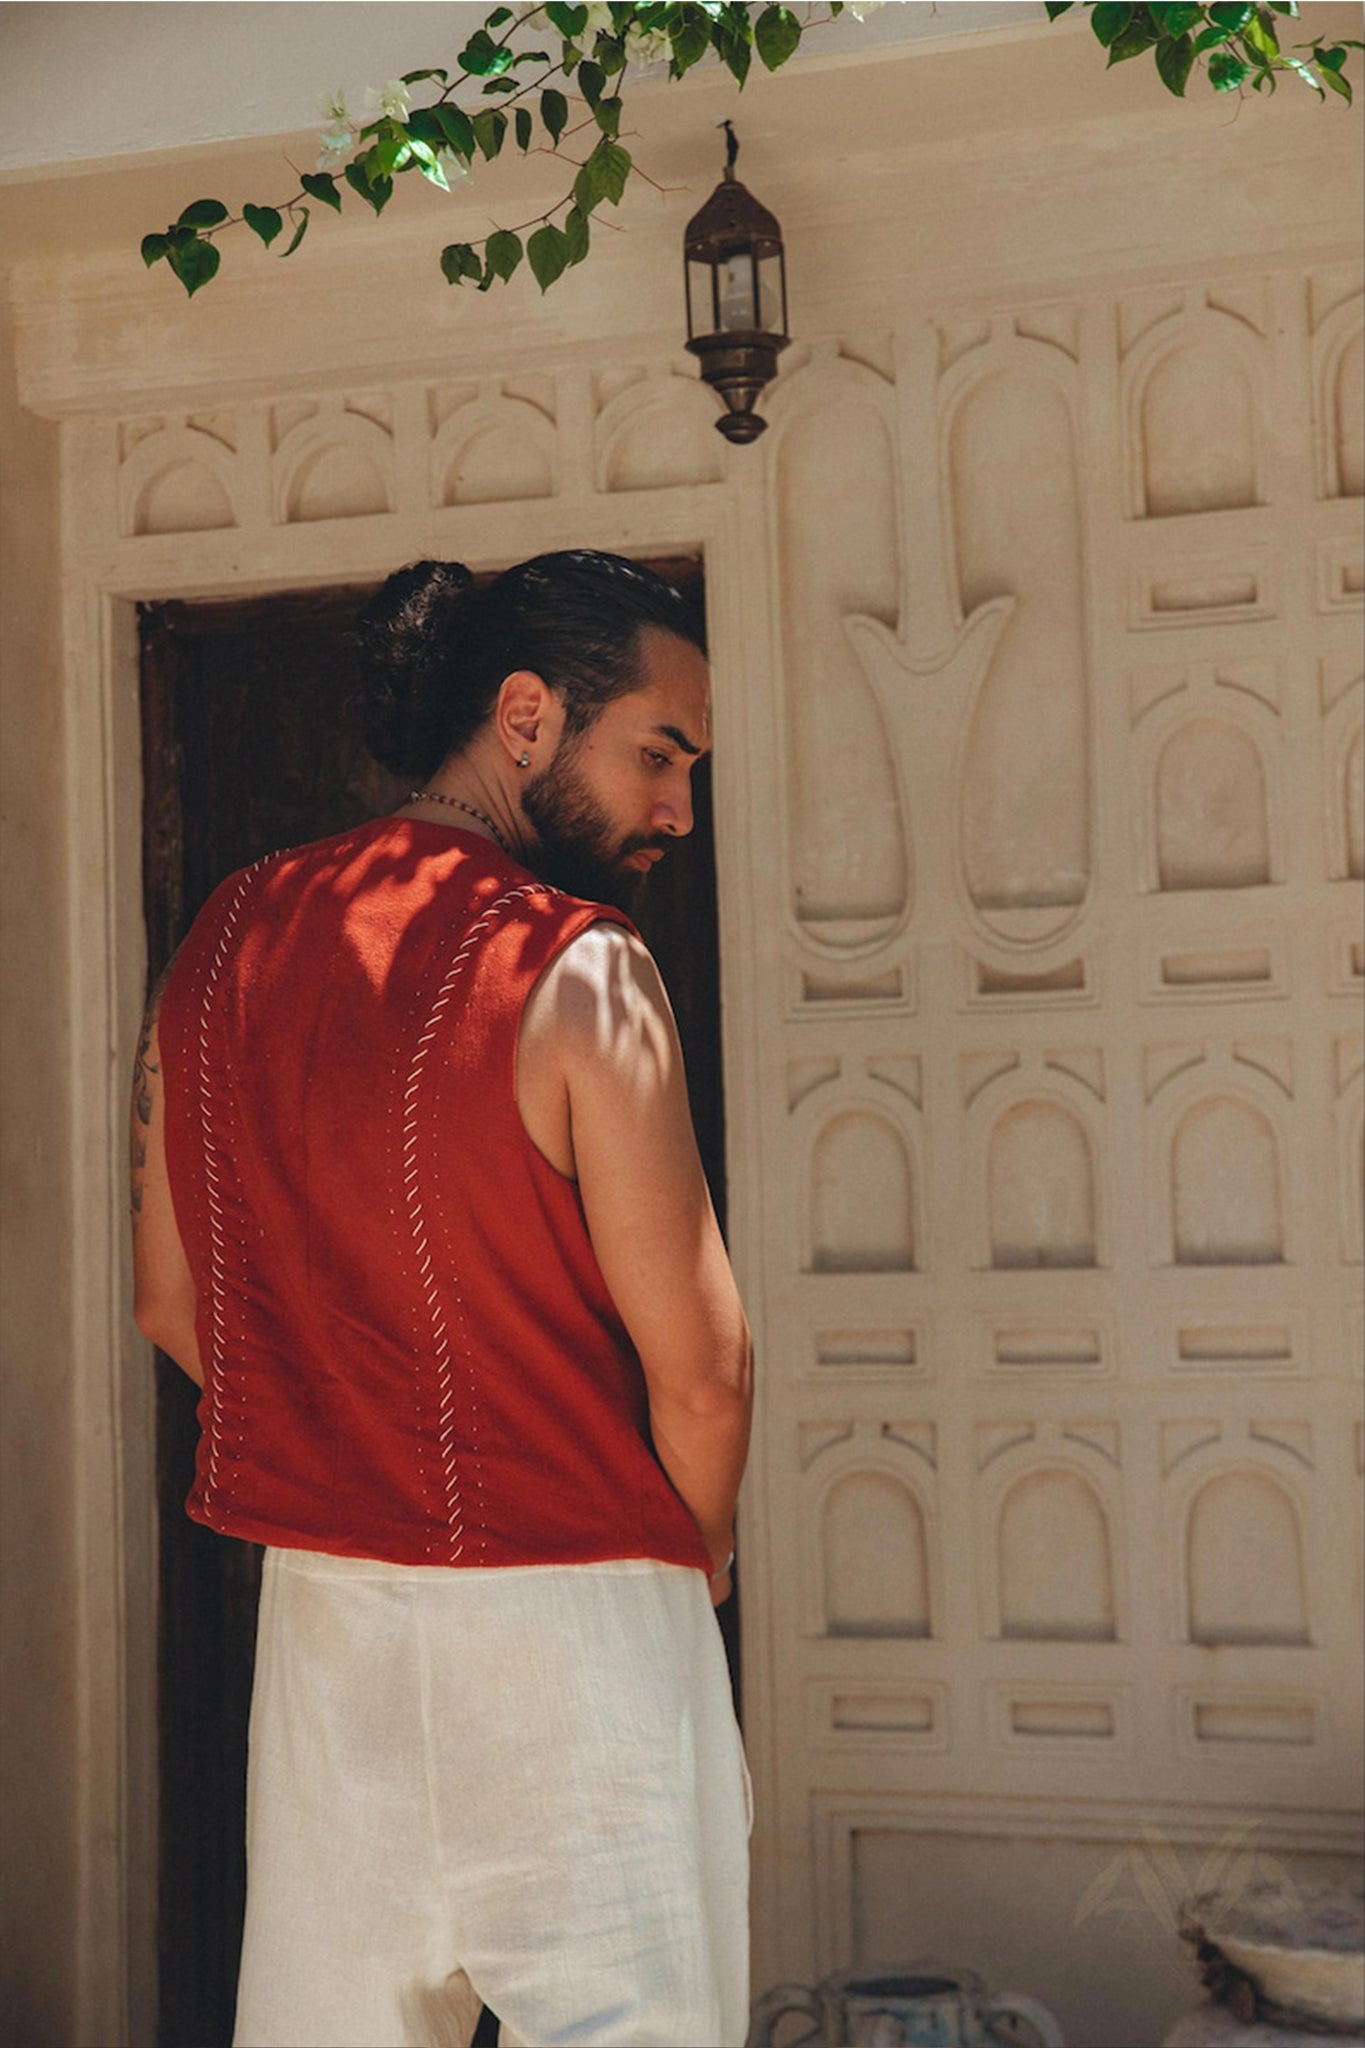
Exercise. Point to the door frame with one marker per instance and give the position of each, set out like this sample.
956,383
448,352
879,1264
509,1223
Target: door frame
116,1535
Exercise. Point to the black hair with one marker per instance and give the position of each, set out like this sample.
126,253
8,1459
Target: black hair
434,649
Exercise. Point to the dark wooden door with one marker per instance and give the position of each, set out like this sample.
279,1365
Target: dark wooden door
251,741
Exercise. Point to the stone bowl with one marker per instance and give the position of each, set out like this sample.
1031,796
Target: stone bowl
1302,1944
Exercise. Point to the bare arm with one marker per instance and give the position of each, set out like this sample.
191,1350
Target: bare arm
164,1296
600,1022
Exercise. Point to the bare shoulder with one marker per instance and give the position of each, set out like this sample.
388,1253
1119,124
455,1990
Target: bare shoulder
601,998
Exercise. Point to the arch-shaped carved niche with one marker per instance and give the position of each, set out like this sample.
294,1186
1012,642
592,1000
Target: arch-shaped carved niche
1196,416
1054,1567
861,1216
1040,1188
1243,1562
874,1553
494,451
179,480
659,433
1211,815
1339,370
834,462
1009,475
336,465
1226,1185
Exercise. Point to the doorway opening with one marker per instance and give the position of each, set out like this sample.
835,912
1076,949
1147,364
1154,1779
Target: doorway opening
251,741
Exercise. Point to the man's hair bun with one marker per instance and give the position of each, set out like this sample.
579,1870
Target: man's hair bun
406,635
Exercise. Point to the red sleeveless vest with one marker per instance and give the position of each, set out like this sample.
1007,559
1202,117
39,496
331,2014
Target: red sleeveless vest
409,1349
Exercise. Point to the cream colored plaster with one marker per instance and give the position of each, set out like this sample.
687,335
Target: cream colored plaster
1036,684
40,1841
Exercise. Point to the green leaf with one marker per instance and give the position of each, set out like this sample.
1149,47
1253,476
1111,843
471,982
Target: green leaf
547,252
1329,60
416,77
458,260
570,21
390,153
1227,72
374,191
499,85
554,112
690,39
1174,58
607,114
1176,19
1056,7
1336,82
424,156
613,168
530,57
264,221
300,231
1136,38
736,52
458,130
1308,75
1260,38
321,185
1108,22
586,191
777,32
154,247
1232,14
576,234
523,124
203,213
502,253
610,53
1209,38
591,79
482,57
498,17
194,262
489,127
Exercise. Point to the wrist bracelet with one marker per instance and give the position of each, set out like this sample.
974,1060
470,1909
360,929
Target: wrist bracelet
724,1568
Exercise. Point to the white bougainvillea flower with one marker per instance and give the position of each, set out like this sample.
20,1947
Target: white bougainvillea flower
454,166
860,9
337,139
333,107
645,46
390,99
599,17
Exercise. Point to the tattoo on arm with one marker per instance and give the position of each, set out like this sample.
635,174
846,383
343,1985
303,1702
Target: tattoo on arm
146,1079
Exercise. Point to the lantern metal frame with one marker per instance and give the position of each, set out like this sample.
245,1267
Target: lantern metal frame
738,362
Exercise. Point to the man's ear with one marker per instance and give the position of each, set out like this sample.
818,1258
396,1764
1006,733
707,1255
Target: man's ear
527,718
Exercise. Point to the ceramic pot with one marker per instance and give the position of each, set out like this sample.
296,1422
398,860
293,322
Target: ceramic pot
901,2005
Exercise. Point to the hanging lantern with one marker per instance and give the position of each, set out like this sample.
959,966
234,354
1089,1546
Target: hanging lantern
736,297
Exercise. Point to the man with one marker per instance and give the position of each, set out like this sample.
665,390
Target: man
418,1203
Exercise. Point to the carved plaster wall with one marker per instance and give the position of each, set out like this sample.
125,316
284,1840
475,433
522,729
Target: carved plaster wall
1039,759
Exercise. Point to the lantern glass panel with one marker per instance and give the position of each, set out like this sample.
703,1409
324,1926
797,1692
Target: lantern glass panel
701,299
770,310
738,303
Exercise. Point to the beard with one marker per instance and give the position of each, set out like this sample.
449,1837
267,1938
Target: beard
577,848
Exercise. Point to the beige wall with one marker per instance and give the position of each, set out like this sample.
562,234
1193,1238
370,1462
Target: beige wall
39,1716
1002,948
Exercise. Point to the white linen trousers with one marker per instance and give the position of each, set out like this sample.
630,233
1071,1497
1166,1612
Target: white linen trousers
523,1785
